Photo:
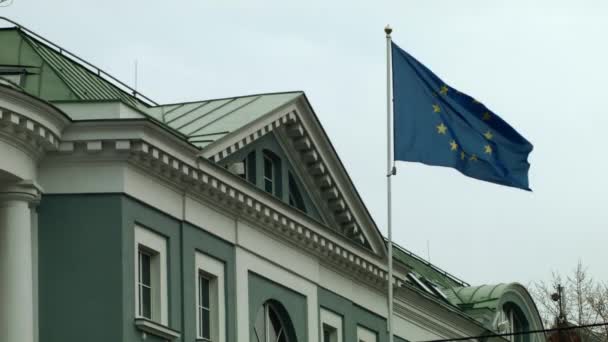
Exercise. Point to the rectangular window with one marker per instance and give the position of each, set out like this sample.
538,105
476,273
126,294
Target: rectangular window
145,284
204,308
210,317
151,298
366,335
268,175
331,325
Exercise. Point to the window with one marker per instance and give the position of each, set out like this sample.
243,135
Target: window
204,308
144,283
249,163
295,197
365,335
268,174
271,173
272,324
331,325
210,301
511,320
150,276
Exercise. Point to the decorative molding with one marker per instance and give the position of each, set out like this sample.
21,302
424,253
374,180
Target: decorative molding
225,152
307,154
210,183
25,190
34,137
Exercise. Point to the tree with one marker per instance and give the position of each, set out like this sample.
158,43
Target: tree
584,301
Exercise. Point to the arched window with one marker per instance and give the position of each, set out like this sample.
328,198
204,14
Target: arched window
272,324
512,320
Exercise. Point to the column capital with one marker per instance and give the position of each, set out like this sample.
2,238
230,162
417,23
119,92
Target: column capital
26,190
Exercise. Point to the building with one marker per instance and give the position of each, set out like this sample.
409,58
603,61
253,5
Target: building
218,220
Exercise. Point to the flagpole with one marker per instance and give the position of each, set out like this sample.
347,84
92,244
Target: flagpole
389,173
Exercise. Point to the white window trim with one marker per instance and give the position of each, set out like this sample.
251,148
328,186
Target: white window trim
333,320
215,268
157,243
366,335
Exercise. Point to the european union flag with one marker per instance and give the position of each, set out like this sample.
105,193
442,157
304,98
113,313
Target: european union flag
437,125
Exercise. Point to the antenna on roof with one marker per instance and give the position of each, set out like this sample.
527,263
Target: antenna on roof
428,250
135,81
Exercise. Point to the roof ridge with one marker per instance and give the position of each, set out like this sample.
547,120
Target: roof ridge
228,98
431,265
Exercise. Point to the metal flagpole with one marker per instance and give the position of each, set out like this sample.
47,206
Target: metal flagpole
390,167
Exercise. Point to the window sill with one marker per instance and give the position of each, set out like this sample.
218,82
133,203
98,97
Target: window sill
156,329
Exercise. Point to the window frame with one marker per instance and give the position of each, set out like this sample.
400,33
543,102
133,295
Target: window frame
366,335
213,270
272,179
333,321
154,245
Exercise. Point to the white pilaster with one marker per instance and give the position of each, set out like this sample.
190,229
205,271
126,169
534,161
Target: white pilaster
17,311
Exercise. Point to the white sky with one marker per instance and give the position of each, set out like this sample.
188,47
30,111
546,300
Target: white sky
542,67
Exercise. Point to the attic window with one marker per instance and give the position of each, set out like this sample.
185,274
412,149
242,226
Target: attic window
295,197
249,169
271,173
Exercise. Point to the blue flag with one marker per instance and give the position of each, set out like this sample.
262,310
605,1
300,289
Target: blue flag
435,124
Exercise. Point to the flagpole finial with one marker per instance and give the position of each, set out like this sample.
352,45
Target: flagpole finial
388,30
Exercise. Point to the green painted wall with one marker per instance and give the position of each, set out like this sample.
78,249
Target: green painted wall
262,290
194,239
137,213
86,269
80,278
353,316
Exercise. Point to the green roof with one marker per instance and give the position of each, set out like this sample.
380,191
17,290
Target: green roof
204,122
53,76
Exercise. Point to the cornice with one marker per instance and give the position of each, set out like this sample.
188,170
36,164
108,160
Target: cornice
30,136
210,183
33,108
287,123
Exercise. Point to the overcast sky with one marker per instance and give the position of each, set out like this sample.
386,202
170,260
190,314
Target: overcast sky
542,67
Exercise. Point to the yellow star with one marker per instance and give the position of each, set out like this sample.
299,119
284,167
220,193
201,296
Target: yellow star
436,108
473,158
488,149
486,116
462,155
442,129
488,135
443,90
453,145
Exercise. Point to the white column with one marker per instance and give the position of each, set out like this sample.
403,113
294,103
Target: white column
17,321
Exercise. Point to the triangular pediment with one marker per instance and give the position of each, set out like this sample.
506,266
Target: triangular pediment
295,131
289,184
